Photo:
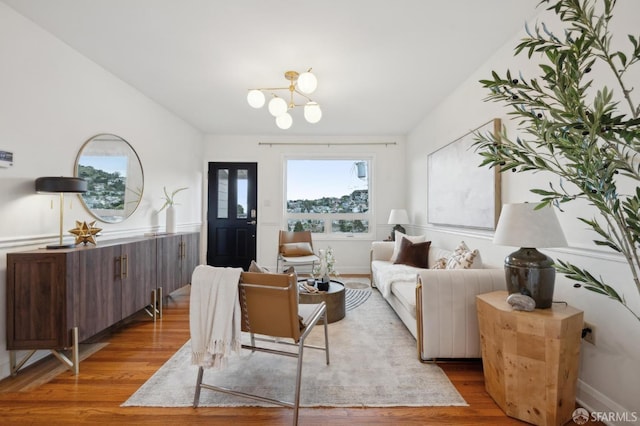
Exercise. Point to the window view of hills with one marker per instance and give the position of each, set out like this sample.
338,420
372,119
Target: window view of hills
355,226
106,190
356,202
328,195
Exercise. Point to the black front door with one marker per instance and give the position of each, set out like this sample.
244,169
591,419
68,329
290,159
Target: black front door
232,214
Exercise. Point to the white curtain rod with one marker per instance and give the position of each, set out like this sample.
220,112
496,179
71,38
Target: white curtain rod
327,143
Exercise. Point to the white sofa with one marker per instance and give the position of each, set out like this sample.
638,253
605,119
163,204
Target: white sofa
438,306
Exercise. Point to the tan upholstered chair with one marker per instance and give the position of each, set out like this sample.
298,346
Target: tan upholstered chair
269,304
295,248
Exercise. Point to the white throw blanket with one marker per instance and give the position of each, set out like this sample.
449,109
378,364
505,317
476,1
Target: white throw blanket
214,315
395,274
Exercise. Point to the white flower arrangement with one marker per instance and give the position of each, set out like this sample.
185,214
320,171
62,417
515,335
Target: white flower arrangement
326,267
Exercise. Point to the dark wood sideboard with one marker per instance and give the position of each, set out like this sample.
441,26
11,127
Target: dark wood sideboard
58,298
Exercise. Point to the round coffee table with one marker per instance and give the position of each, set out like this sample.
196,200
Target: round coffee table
333,298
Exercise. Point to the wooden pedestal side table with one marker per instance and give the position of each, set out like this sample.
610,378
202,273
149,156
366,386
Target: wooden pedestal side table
530,359
334,298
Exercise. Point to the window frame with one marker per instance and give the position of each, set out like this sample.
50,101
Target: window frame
328,218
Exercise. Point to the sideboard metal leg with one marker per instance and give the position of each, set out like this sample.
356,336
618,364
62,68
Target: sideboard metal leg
16,366
12,362
160,300
75,352
154,309
72,364
154,304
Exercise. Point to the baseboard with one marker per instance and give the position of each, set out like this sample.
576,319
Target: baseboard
609,412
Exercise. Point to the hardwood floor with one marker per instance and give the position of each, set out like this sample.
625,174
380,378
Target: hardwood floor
134,352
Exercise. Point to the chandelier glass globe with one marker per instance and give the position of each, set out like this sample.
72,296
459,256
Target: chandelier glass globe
284,121
277,106
307,82
312,112
255,98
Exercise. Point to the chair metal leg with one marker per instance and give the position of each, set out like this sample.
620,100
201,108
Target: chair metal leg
296,402
196,397
326,338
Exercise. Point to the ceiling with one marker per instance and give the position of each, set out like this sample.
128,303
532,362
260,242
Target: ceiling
382,65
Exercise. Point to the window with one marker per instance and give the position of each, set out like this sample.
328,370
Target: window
328,196
242,193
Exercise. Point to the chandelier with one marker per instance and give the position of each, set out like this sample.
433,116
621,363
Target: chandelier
299,84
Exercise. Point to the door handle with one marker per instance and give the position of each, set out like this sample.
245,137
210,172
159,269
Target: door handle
252,222
124,267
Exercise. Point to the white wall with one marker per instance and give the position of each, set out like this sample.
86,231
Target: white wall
609,378
352,254
53,100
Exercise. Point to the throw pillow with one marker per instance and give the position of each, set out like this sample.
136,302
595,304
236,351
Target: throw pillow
413,254
399,237
462,257
440,263
296,249
254,267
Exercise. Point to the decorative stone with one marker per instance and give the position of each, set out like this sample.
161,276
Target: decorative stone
521,302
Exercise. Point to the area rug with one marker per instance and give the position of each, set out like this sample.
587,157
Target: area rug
373,364
356,292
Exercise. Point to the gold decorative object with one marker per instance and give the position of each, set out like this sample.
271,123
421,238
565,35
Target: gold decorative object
85,233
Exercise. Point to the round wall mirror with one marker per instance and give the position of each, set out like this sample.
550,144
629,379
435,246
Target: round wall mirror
115,178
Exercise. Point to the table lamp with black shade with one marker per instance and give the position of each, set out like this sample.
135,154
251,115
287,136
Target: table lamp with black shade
61,185
398,217
527,270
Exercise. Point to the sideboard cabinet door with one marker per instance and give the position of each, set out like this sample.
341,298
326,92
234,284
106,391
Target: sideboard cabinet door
190,257
40,300
137,275
99,292
177,258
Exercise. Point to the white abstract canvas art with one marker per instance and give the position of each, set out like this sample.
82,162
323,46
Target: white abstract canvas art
459,192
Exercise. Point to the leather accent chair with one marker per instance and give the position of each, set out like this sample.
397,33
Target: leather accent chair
295,248
269,304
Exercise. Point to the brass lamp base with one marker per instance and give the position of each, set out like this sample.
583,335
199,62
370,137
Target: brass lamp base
530,272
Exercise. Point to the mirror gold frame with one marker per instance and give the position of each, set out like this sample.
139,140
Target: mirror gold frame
115,177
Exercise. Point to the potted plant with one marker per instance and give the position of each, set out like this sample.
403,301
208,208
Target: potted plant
169,203
577,130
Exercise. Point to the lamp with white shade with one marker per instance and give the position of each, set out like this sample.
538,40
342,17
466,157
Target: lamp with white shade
527,270
398,217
